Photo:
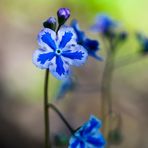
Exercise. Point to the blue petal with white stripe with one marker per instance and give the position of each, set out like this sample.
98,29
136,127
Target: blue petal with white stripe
76,55
46,39
88,136
66,37
59,68
42,58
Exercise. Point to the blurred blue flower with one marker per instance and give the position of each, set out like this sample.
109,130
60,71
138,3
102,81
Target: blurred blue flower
58,51
104,24
143,43
92,46
65,86
88,135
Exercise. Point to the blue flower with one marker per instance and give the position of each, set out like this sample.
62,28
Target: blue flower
92,46
58,51
88,136
103,24
66,86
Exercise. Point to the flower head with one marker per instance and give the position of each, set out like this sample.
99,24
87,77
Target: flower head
92,46
63,15
88,136
58,51
103,24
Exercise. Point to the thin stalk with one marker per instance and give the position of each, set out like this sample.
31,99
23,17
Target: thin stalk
53,107
111,61
106,106
46,112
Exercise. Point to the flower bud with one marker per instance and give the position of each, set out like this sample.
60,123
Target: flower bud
63,15
123,36
115,136
50,23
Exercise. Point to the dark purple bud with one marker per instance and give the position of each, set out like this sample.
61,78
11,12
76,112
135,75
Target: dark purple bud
50,23
123,36
115,136
63,15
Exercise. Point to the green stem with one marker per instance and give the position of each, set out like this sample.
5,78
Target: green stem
62,117
46,112
106,107
105,95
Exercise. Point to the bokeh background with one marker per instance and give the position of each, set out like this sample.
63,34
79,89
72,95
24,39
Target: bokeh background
21,83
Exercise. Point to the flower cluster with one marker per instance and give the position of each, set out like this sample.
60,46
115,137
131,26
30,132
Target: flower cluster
88,135
59,49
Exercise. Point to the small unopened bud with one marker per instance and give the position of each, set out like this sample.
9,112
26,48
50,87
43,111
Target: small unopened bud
115,136
123,36
63,15
50,23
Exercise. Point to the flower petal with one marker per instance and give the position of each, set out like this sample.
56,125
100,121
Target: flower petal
75,55
75,142
42,58
96,141
90,127
46,39
59,68
97,57
66,36
88,136
92,46
80,34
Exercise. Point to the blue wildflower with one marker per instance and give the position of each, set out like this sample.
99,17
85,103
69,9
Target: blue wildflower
58,51
143,42
92,46
104,24
66,86
88,136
